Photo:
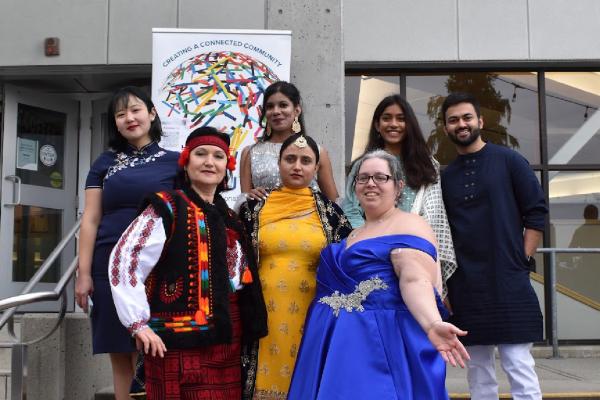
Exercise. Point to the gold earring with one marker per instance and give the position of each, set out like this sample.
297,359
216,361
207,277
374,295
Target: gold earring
296,127
268,130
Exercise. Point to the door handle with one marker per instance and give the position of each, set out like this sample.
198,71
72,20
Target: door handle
17,190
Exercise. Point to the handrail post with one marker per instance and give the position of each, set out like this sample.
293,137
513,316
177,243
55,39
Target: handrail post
18,372
553,305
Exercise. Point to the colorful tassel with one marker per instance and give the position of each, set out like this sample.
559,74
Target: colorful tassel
246,276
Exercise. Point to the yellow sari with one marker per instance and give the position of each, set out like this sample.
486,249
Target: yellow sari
290,240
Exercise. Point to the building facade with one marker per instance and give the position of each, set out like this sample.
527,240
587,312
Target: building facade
535,65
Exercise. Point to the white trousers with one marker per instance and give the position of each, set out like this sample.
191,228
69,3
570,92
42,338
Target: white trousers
518,364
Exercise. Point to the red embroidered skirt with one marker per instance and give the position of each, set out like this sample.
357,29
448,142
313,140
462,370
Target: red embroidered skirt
205,373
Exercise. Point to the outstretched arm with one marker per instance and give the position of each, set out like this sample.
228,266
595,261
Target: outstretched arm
417,272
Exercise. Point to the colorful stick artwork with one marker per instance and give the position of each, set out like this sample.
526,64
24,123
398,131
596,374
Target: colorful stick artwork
221,89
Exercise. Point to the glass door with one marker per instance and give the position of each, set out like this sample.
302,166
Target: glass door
39,179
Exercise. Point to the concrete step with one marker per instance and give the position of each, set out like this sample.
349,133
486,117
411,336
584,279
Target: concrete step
560,378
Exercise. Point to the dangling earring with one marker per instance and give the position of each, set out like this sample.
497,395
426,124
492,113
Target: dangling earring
296,127
268,130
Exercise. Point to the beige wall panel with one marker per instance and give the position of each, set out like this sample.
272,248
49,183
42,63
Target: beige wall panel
400,30
493,30
130,28
80,25
233,14
564,29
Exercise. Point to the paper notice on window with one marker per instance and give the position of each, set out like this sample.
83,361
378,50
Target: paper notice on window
27,154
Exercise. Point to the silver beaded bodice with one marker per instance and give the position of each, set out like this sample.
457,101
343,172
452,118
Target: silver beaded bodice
263,160
354,300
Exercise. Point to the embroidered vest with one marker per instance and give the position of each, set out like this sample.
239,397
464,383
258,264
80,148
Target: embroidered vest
189,288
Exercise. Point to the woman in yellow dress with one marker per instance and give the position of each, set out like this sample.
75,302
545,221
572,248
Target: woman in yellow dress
288,230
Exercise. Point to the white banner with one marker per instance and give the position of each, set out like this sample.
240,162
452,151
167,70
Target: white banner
216,78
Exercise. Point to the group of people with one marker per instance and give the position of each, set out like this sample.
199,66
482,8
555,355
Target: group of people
294,297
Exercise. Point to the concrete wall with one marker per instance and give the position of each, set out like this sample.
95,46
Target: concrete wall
62,367
80,25
317,69
467,30
109,31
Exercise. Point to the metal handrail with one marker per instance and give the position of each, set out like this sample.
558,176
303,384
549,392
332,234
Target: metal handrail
552,301
37,277
19,348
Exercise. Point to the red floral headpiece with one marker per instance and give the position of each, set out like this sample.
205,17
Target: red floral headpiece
204,140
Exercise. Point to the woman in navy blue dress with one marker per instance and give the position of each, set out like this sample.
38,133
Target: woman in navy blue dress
117,182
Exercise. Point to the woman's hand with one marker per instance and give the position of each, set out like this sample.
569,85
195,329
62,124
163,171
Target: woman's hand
444,337
259,193
149,342
84,287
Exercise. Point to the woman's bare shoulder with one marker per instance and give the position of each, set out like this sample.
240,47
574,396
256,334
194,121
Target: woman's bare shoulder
405,223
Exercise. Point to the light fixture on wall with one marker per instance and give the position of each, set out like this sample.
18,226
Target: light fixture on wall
514,96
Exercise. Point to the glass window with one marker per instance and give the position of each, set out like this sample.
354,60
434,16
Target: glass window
37,232
363,93
509,108
574,204
40,146
572,102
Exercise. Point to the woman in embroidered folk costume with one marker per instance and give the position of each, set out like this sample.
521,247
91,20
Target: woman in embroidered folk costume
395,129
116,183
375,329
282,117
288,231
185,284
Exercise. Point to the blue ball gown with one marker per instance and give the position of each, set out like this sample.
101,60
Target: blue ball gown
360,340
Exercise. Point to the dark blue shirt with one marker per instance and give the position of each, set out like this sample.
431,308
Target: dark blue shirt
491,196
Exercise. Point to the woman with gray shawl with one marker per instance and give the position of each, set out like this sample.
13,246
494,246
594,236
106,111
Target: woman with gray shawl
395,129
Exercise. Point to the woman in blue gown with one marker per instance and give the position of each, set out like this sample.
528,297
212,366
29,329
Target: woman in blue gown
375,329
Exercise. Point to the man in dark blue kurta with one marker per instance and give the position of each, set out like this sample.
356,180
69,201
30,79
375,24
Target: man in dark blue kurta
496,209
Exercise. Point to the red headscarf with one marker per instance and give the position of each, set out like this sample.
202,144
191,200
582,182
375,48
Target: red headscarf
204,140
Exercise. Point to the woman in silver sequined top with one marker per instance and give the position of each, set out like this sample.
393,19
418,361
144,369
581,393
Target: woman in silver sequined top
259,171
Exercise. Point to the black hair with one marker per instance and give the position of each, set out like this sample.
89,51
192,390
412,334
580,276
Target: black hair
460,97
290,91
310,141
119,101
590,212
182,179
416,157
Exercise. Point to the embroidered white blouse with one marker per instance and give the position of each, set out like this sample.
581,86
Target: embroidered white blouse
134,257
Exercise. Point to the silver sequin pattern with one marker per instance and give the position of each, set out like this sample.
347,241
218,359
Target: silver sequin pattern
353,301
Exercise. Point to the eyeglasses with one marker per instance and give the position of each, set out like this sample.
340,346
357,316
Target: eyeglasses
377,178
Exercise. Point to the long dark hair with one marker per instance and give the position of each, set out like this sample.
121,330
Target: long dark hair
119,101
415,155
182,180
290,91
